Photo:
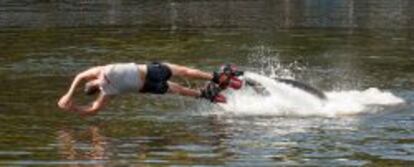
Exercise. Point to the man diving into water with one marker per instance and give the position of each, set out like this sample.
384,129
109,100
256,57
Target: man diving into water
115,79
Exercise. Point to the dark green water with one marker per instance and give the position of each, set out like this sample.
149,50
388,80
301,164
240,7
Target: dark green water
38,62
37,66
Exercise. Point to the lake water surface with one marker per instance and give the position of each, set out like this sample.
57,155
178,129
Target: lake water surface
365,61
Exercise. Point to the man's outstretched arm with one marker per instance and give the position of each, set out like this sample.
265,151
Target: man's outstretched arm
93,108
65,100
88,74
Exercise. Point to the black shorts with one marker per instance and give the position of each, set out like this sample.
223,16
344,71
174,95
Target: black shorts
157,77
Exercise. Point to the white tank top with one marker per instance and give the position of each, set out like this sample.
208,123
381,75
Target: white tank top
121,78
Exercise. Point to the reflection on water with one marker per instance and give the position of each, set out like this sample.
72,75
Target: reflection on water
90,146
68,150
44,43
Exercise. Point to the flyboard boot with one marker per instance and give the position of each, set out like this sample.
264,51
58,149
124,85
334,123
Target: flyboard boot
226,77
211,92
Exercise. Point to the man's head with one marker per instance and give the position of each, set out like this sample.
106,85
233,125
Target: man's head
91,88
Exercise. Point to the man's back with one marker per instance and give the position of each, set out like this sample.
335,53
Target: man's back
121,78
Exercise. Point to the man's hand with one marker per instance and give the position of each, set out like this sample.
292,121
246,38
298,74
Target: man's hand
84,110
65,102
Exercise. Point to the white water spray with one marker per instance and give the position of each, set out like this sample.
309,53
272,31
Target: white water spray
285,99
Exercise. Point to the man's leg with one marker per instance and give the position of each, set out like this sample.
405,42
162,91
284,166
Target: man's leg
178,89
182,71
210,92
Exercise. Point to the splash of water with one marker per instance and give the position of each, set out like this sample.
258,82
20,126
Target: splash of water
266,61
284,99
